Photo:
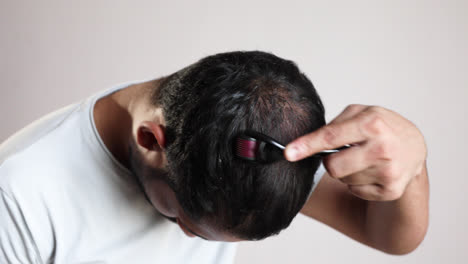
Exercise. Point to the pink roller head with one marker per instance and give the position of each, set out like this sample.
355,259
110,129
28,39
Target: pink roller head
246,148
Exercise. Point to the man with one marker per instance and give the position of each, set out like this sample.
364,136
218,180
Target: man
97,181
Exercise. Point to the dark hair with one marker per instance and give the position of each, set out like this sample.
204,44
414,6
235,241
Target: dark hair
205,106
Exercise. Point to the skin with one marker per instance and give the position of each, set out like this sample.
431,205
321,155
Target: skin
375,192
133,131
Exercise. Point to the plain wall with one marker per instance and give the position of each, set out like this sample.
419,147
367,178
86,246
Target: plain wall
409,56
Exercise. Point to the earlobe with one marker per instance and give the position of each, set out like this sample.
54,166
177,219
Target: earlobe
151,136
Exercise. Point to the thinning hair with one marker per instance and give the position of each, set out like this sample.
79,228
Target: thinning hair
205,106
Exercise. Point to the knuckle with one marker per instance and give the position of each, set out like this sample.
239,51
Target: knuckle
379,193
383,150
376,109
307,146
370,194
330,134
353,108
392,192
389,175
304,143
375,125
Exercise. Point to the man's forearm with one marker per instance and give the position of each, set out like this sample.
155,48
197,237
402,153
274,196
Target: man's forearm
398,227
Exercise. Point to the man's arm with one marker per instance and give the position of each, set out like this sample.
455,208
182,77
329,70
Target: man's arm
395,227
16,243
376,191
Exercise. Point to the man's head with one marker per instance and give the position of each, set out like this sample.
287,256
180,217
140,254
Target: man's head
204,107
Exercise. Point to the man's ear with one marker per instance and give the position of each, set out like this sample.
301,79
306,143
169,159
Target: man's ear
151,136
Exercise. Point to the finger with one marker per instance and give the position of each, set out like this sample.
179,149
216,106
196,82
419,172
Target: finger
349,112
349,161
327,137
370,192
363,178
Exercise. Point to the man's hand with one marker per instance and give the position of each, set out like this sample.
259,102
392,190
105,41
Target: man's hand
388,151
385,163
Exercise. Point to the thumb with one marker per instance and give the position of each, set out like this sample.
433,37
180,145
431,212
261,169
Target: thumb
302,147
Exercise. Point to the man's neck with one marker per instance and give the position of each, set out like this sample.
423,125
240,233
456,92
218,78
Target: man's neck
113,119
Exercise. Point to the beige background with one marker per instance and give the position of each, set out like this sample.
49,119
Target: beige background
410,56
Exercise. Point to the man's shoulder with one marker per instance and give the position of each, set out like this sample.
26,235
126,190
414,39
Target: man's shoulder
36,154
35,131
30,171
30,190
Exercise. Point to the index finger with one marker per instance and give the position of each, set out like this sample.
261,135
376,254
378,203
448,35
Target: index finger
330,136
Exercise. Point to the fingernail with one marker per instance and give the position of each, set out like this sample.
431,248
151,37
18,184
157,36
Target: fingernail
292,153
